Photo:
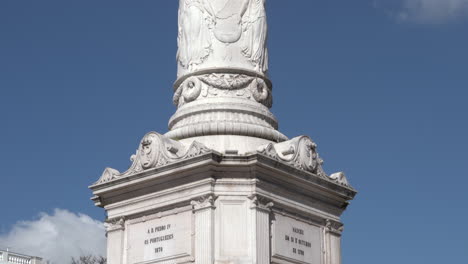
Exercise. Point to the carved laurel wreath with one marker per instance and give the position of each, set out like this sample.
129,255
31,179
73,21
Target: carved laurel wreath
243,85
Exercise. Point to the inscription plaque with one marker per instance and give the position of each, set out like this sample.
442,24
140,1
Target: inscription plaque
160,239
296,241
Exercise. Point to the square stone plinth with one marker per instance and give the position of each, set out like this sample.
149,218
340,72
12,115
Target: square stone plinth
223,209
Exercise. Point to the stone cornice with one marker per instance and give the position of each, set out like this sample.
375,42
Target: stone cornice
218,160
212,169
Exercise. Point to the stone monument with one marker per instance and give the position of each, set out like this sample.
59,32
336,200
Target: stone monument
223,185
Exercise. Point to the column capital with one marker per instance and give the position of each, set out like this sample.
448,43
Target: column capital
115,224
203,202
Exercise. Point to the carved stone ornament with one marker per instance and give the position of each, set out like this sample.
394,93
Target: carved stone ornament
261,93
193,38
203,202
115,224
108,175
155,150
255,27
191,89
239,23
223,85
334,226
300,152
340,178
188,91
261,203
227,81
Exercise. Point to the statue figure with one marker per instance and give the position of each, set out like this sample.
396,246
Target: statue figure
255,27
193,39
241,23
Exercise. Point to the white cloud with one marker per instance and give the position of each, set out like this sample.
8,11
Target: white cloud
57,237
425,11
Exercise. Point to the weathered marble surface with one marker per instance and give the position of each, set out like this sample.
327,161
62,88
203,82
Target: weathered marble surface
222,34
225,208
222,87
223,185
156,151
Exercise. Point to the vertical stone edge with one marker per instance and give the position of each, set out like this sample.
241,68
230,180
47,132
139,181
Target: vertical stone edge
203,210
332,239
115,232
262,213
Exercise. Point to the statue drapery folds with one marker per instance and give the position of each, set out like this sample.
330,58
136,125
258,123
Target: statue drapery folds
194,39
240,23
255,27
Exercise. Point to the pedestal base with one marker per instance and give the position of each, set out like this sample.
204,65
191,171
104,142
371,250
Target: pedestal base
214,208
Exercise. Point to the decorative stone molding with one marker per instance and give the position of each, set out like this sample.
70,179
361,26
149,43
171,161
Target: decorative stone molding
189,91
224,116
261,93
108,175
261,203
235,85
155,150
208,29
312,219
218,207
300,152
115,224
334,227
222,85
158,215
340,178
227,81
203,202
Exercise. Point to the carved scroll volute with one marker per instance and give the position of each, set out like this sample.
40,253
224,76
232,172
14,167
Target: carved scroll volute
301,152
155,150
108,175
149,150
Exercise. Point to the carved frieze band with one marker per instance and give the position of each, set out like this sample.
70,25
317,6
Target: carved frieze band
301,152
155,150
223,85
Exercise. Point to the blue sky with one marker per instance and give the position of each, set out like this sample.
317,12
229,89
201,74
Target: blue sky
380,85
